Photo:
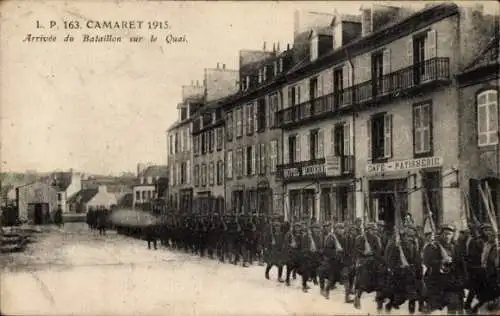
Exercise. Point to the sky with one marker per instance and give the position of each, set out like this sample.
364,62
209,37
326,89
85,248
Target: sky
103,108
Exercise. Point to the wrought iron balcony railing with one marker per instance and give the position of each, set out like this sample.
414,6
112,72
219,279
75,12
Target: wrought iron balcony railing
331,166
389,85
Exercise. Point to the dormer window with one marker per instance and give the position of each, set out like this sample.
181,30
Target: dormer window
313,50
142,180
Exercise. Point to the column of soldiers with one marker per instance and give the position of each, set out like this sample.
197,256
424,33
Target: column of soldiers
430,271
98,219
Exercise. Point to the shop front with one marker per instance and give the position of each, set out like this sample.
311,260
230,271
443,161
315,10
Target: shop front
414,188
319,190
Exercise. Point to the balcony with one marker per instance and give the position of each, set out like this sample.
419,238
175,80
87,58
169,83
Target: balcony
432,72
331,166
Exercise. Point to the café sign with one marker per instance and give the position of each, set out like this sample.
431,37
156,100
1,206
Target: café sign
405,165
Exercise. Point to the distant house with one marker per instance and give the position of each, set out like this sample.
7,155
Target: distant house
67,185
92,198
36,201
125,200
151,185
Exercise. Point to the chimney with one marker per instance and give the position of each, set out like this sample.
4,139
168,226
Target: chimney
288,46
217,65
264,47
278,47
223,66
274,47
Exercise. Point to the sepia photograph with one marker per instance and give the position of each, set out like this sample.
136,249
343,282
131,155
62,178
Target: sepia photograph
218,158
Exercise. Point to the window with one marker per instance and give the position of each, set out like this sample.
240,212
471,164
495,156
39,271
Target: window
262,159
188,139
338,81
295,207
239,162
422,128
188,172
178,169
219,138
293,149
264,73
379,132
196,175
293,95
195,145
487,118
316,144
229,126
229,166
138,195
325,205
203,174
183,172
171,144
239,122
220,172
249,115
211,172
203,143
422,47
273,109
176,143
275,68
273,156
143,195
250,161
313,88
211,140
261,115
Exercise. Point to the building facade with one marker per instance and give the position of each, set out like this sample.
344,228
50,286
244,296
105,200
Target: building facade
151,185
36,202
375,113
479,151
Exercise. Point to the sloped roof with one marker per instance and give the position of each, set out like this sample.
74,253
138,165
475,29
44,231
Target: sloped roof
83,196
62,180
489,56
155,171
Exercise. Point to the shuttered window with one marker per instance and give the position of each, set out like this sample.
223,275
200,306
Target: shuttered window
422,129
487,118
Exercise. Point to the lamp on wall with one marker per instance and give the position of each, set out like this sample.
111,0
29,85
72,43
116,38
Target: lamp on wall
358,184
412,177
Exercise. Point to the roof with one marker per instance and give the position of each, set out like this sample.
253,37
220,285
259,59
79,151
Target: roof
489,56
83,196
155,171
62,180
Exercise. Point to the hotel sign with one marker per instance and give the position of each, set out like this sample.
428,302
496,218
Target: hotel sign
405,165
316,170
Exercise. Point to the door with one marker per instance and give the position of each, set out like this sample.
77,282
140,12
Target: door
377,73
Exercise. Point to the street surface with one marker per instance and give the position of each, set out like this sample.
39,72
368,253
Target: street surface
74,271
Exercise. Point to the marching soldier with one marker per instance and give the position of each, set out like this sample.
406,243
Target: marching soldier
441,278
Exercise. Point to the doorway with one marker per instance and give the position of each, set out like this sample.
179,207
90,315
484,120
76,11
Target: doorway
382,200
40,212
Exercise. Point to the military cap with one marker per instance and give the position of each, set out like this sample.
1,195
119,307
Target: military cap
371,226
447,227
486,226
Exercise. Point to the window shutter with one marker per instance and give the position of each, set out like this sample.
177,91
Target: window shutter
388,135
254,152
297,148
297,96
188,172
369,138
409,51
257,157
321,148
347,139
255,106
332,141
263,158
290,91
386,62
320,85
345,76
286,153
268,99
431,50
306,150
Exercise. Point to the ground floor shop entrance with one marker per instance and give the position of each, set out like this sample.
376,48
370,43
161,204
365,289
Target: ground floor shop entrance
382,204
40,213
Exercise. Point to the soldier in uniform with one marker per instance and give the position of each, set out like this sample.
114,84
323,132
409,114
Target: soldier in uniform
441,278
293,242
275,247
369,260
311,253
331,263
